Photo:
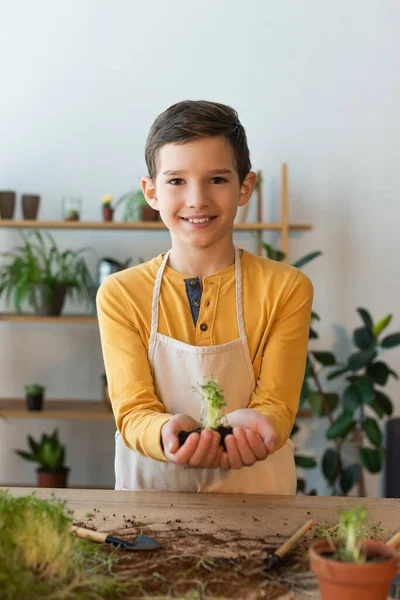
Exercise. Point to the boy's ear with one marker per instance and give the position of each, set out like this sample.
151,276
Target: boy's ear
247,188
149,191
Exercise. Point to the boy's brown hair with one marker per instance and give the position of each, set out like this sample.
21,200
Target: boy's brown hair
191,119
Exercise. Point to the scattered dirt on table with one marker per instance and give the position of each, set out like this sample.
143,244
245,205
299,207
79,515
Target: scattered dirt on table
197,565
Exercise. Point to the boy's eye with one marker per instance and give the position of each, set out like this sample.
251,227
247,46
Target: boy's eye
218,180
176,181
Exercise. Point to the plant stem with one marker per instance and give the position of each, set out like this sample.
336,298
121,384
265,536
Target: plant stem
359,437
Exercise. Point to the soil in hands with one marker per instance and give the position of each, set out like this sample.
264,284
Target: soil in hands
223,430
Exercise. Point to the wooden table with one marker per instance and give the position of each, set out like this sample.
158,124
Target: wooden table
269,517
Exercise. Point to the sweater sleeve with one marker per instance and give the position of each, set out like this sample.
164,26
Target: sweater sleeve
138,413
278,388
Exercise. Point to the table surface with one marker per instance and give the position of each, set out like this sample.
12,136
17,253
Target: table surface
254,515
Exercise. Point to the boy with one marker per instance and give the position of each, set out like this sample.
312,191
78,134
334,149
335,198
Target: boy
204,308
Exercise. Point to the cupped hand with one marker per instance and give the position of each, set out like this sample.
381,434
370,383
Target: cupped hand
200,450
253,439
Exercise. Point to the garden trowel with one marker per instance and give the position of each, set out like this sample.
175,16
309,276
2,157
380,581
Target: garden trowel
141,543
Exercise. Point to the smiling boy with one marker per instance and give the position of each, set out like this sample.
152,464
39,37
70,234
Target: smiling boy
204,308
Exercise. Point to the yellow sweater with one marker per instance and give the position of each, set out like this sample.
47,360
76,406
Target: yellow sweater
277,302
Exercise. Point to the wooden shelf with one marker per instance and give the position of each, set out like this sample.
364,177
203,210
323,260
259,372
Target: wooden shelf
88,410
143,225
25,318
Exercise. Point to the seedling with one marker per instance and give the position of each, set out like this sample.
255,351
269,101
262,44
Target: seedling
213,402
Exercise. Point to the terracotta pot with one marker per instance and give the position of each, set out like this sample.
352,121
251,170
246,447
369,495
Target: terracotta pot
52,480
34,401
51,300
30,206
348,581
108,213
149,214
7,205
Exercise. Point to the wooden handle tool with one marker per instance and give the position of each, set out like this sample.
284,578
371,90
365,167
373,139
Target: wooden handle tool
275,559
141,543
394,541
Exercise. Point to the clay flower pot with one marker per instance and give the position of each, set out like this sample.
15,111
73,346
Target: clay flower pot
108,213
52,480
346,581
30,206
7,205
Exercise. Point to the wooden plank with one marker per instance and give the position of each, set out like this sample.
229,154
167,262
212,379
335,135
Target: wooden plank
57,409
138,225
24,318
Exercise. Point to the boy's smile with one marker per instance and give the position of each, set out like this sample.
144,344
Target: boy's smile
197,192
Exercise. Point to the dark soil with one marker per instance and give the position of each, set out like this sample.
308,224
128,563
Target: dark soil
191,564
223,430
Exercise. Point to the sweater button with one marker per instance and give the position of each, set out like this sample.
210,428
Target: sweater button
192,282
196,303
203,327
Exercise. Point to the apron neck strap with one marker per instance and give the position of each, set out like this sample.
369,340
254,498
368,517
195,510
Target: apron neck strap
156,297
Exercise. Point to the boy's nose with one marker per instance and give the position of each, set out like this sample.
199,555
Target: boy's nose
196,198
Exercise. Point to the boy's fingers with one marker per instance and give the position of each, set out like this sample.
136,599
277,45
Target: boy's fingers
224,462
217,459
200,456
182,456
235,460
213,452
256,444
246,454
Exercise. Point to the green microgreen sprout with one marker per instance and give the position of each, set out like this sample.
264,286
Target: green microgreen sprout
213,403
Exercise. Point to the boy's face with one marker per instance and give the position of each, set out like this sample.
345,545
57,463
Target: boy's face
197,191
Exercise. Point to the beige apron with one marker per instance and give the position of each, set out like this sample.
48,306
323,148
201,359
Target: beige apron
176,368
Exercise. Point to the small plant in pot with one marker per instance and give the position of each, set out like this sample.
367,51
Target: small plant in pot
34,396
43,276
136,207
351,565
213,403
108,210
49,453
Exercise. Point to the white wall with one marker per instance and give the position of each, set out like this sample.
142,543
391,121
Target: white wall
316,84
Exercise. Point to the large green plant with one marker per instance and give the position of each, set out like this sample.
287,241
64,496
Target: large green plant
355,416
48,452
132,203
36,264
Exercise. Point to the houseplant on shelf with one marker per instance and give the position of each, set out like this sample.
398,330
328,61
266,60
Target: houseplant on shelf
49,453
350,565
108,210
34,396
43,276
136,207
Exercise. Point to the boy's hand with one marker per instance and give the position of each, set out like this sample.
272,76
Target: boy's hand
253,439
199,450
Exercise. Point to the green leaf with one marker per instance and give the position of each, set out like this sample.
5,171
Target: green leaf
305,462
366,317
366,389
301,485
315,401
363,338
330,465
377,408
381,325
295,430
33,445
349,478
341,427
351,399
371,459
337,373
315,316
313,335
379,372
306,259
325,358
393,373
384,403
360,359
304,393
390,341
372,431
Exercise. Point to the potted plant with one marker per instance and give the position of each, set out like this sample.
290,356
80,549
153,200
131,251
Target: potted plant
350,565
108,210
7,205
49,453
44,276
30,206
136,207
34,396
212,408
